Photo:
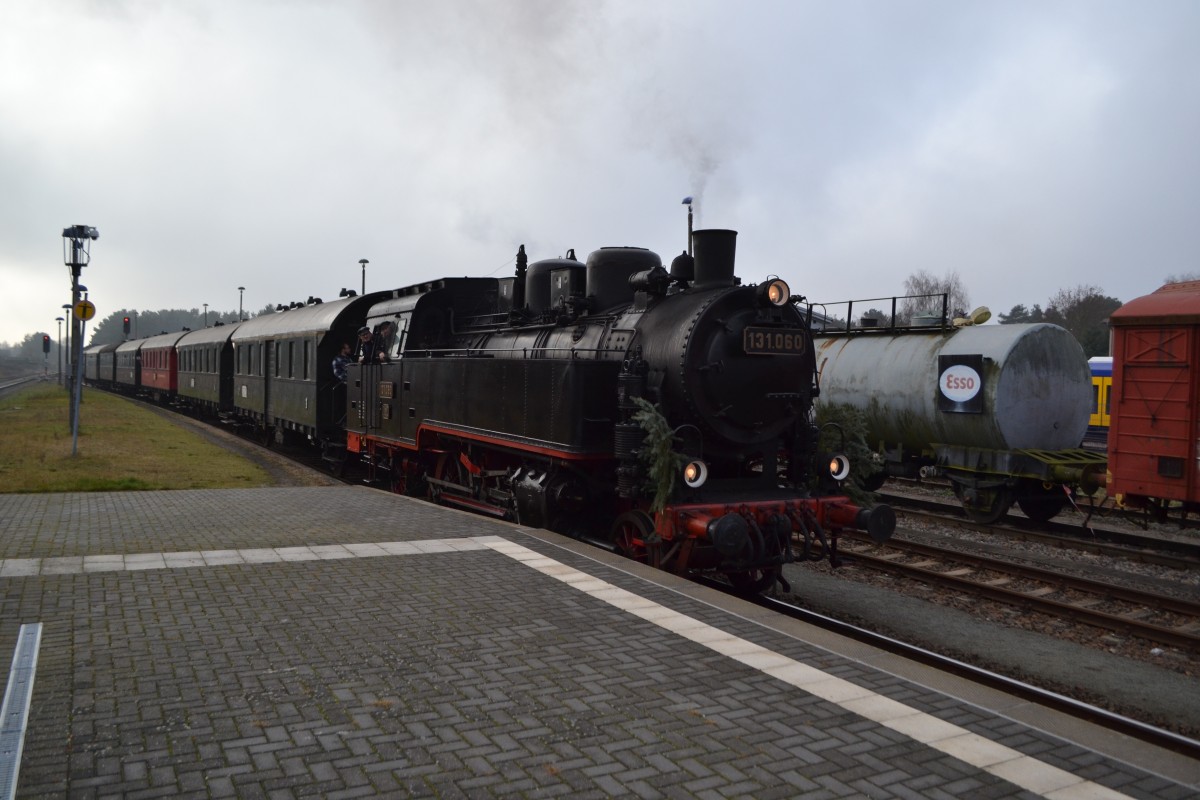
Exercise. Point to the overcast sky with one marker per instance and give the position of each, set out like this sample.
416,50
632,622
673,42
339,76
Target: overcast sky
271,144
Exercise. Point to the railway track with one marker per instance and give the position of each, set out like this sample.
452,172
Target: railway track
10,385
1079,709
1156,617
1093,512
1178,551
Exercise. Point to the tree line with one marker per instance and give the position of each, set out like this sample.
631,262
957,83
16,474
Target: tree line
1083,310
111,330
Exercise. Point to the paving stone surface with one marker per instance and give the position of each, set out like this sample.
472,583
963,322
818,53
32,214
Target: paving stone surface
315,642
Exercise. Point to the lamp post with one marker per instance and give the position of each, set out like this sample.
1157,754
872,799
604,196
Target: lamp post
364,263
206,315
59,320
241,291
67,316
77,242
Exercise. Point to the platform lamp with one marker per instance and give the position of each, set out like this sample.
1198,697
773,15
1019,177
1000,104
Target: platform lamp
241,292
67,317
77,243
363,262
59,320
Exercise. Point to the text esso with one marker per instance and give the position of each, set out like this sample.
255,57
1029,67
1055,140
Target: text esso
960,383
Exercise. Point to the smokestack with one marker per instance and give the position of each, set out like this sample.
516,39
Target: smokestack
714,254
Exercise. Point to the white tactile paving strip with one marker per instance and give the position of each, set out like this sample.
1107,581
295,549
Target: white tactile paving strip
1009,764
1004,762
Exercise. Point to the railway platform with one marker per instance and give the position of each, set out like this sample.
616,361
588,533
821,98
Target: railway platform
343,642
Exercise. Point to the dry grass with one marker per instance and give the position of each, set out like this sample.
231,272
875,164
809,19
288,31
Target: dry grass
121,447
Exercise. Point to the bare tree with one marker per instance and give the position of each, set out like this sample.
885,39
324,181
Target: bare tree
1182,278
925,295
1084,311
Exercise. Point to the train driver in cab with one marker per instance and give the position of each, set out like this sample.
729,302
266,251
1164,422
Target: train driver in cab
385,338
373,348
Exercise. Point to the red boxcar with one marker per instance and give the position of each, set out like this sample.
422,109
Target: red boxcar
1154,438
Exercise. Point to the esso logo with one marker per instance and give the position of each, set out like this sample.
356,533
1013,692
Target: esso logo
960,383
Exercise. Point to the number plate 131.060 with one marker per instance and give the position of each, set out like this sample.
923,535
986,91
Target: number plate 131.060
774,342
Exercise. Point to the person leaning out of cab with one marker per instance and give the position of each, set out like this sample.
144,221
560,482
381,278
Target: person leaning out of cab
373,348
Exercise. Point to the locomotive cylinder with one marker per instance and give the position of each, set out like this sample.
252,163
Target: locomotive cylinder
1036,386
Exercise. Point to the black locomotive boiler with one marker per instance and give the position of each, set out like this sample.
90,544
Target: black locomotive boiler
568,395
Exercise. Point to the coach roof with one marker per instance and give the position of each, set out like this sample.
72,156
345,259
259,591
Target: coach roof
1175,302
316,318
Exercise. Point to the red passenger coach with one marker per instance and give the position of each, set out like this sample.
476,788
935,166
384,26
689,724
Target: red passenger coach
160,365
1154,438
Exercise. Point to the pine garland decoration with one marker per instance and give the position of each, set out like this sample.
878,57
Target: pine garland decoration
658,452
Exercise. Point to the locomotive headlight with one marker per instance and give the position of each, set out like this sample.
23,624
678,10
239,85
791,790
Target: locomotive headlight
695,473
839,466
775,292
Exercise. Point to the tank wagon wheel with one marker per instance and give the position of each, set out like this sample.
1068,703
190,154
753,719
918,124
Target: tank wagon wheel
630,532
1040,503
985,506
755,581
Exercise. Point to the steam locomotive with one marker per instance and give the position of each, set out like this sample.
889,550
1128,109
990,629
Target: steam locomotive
675,404
666,415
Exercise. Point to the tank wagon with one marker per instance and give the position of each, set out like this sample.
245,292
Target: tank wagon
1154,429
533,398
999,410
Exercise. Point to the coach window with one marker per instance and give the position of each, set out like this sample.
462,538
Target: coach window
291,359
305,367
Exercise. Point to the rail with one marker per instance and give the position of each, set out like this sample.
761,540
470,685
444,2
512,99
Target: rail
1137,729
977,575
